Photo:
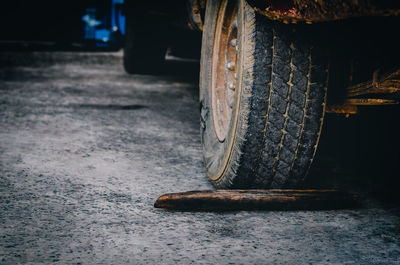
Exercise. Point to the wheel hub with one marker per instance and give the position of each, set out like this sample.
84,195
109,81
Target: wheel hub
224,68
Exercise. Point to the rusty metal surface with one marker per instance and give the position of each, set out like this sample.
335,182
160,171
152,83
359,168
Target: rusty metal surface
224,68
196,14
381,89
370,101
342,109
293,11
385,84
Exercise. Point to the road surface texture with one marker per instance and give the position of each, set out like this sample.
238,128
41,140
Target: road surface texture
85,150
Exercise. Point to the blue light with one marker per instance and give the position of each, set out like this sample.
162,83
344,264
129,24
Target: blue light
106,30
102,35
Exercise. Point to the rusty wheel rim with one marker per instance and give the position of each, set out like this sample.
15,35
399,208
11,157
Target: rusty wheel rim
224,68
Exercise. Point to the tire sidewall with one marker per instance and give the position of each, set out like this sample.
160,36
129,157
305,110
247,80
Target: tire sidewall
275,124
217,155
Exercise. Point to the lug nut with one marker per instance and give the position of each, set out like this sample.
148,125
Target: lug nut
233,42
231,86
230,66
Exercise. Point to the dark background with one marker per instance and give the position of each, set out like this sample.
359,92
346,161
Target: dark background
44,20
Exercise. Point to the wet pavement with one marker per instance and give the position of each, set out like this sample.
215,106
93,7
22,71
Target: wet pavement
85,150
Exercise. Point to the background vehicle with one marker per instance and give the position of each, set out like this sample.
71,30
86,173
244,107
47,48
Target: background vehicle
152,27
266,69
86,24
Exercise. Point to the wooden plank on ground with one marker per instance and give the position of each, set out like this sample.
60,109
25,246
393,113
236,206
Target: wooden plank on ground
274,200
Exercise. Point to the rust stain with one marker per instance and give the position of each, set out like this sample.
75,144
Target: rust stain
380,84
196,7
342,109
370,101
310,11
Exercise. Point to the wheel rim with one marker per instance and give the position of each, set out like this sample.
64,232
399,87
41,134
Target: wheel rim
224,68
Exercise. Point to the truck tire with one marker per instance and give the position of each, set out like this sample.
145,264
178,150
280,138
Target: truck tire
145,46
263,87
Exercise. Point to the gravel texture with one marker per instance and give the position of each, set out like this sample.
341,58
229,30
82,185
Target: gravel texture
85,150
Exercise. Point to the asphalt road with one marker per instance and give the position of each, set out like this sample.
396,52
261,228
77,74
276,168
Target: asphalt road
85,150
